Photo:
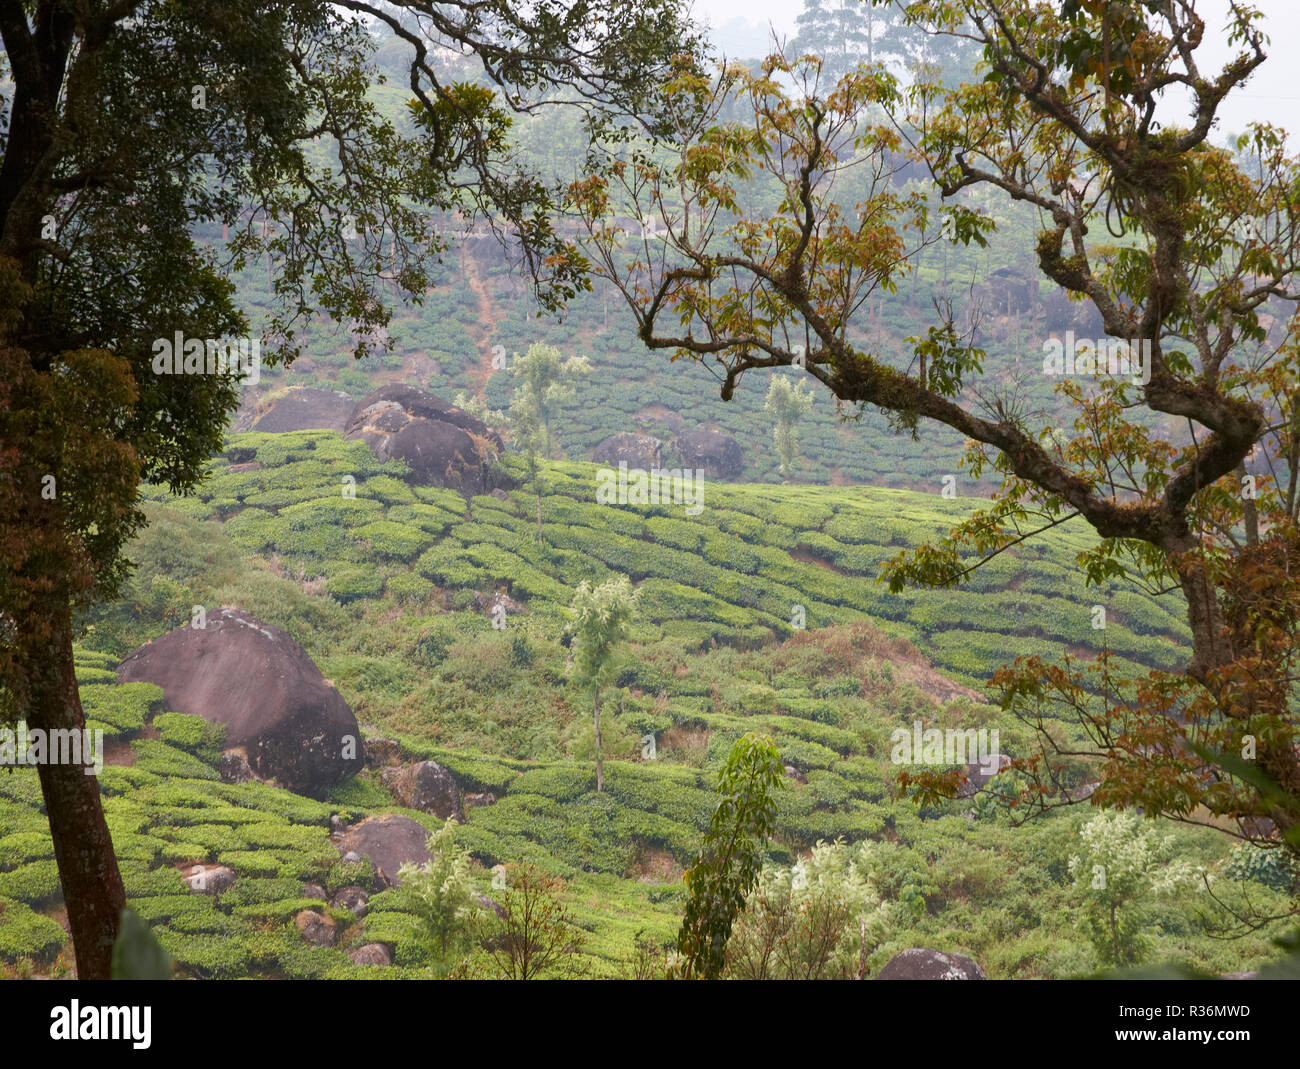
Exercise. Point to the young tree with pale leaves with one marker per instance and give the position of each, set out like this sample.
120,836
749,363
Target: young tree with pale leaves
788,401
602,617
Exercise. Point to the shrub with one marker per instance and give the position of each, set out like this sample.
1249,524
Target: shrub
154,755
408,587
281,909
441,894
1273,868
216,956
401,931
26,934
192,734
252,864
35,883
124,705
144,883
394,541
24,846
349,583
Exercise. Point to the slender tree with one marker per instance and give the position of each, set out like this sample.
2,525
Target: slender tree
602,617
788,401
731,856
534,932
544,378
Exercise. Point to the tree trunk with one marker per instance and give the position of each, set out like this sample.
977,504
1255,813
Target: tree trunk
600,760
1211,645
83,848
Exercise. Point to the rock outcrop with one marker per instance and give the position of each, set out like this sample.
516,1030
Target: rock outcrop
426,786
919,963
317,929
281,716
635,450
718,455
389,842
371,954
300,408
208,879
444,445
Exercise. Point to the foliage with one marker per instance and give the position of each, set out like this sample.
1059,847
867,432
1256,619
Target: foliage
1120,868
533,934
1198,280
788,401
544,378
731,856
601,618
814,920
441,893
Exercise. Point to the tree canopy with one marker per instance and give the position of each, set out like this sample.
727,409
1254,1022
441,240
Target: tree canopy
1187,251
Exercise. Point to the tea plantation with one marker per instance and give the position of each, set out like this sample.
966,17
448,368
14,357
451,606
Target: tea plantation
384,584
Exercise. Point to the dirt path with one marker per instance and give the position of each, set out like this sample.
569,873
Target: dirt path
487,314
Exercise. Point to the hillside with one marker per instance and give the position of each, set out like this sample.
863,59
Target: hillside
387,591
814,547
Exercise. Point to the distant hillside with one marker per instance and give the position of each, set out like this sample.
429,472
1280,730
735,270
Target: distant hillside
732,574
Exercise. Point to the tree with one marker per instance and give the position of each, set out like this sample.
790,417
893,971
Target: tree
1206,258
789,402
533,931
811,921
114,171
602,618
1120,868
731,856
841,32
441,894
844,33
544,378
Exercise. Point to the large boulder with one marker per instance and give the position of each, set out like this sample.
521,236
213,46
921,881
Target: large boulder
426,786
717,455
444,445
635,450
280,714
299,408
317,929
208,879
370,954
922,964
389,842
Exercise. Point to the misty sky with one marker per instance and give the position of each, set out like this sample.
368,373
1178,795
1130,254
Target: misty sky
1273,94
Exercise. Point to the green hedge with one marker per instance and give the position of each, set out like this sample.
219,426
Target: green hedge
26,934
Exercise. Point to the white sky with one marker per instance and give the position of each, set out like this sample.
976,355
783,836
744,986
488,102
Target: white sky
1272,94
